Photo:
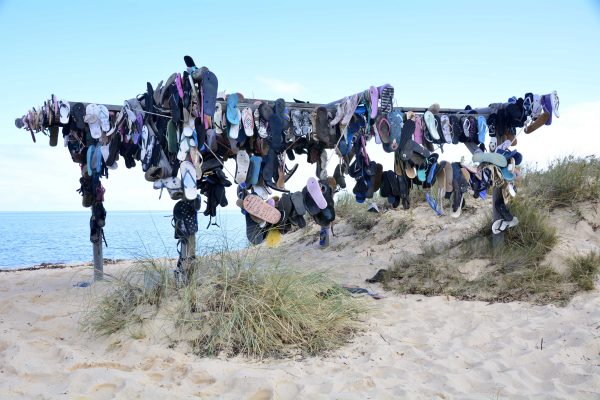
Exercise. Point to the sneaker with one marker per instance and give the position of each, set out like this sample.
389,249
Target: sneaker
324,237
373,208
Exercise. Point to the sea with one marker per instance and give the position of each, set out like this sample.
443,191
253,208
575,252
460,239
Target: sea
33,238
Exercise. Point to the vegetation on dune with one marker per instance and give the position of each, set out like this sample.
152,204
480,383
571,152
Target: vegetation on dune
233,304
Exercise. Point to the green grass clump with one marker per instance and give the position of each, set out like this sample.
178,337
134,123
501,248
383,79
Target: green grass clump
527,243
128,299
566,182
356,214
235,303
583,269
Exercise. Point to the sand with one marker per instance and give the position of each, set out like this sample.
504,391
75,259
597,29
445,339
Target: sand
413,346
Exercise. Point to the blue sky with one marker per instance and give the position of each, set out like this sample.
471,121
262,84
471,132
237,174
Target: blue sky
454,53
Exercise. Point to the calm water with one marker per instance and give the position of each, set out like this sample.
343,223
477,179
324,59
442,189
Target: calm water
30,238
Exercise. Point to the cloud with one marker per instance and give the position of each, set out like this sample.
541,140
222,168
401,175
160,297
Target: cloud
279,86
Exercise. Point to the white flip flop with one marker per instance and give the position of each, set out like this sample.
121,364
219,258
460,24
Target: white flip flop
188,179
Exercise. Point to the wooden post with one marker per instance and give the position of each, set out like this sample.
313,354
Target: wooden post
188,253
98,261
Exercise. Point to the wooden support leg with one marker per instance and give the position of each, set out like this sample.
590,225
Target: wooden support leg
98,261
188,253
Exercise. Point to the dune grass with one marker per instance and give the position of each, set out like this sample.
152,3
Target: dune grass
583,269
566,182
356,214
512,272
236,303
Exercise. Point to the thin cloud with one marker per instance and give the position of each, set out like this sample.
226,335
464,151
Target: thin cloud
279,86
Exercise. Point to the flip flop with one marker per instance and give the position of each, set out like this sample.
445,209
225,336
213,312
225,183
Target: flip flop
188,179
248,121
254,170
418,135
273,238
373,99
242,165
491,158
386,96
383,128
298,203
446,128
314,190
396,121
209,87
255,206
482,128
432,125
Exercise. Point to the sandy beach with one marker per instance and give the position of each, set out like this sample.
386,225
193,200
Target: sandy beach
412,346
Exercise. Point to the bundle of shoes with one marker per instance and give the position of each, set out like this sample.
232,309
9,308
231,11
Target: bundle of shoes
183,131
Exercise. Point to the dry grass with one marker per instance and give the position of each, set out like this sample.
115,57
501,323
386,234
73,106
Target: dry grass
566,182
235,303
584,269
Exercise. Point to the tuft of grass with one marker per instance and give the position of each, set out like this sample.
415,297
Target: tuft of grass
566,182
356,213
129,299
583,269
236,303
397,230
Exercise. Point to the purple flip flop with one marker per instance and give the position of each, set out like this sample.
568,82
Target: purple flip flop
314,189
547,105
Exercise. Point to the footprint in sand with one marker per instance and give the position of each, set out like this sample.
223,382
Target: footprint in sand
104,391
262,394
108,365
202,378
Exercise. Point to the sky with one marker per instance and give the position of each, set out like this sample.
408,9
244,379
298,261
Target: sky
452,53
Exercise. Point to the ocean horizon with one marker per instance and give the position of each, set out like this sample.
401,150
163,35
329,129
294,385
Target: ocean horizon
32,238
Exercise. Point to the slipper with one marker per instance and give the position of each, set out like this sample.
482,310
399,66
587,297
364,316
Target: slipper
340,111
92,112
64,109
242,165
233,114
209,87
386,96
255,206
218,119
373,99
253,170
296,122
314,189
555,103
248,121
351,105
538,122
104,117
492,158
188,179
396,122
383,128
418,134
298,203
410,171
432,125
482,129
446,128
273,238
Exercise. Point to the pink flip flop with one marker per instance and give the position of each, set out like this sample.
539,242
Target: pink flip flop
374,97
179,85
418,135
314,189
